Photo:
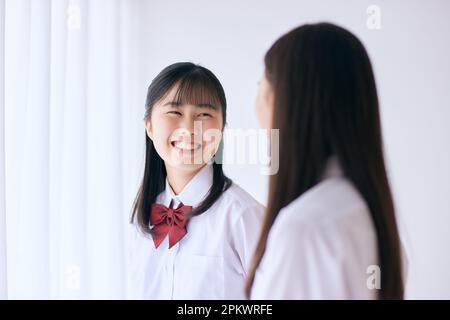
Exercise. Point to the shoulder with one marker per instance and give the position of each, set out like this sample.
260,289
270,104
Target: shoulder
240,199
331,201
326,237
136,236
240,205
333,209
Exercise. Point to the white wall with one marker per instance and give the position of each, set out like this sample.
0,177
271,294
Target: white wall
410,54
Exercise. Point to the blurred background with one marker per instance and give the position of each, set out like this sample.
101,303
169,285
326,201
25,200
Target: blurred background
73,81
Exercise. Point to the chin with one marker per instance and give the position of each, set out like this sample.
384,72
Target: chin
187,168
185,163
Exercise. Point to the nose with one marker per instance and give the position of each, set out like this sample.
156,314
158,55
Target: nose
191,127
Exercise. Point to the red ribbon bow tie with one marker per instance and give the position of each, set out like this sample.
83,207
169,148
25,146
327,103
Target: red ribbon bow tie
169,221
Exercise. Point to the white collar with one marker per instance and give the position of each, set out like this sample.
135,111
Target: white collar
332,169
194,191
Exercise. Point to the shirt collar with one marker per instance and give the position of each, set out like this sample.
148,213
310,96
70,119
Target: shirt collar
195,190
332,169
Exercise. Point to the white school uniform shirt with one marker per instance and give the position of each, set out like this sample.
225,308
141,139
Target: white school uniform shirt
212,260
320,245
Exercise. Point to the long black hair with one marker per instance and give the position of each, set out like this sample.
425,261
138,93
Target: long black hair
326,105
196,85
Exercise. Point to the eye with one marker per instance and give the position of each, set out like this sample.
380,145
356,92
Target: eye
205,114
174,113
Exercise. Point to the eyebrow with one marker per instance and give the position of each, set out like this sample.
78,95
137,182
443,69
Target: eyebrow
176,104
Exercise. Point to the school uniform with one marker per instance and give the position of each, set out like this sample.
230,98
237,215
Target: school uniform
212,259
320,245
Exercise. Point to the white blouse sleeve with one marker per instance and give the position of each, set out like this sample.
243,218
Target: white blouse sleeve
310,261
245,234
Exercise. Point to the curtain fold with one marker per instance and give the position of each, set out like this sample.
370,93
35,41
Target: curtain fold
71,98
3,278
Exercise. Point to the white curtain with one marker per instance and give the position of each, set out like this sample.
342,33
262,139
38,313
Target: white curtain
71,101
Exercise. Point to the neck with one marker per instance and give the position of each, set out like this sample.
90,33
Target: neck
179,178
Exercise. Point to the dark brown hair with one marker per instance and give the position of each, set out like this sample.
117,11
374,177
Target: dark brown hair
198,86
326,105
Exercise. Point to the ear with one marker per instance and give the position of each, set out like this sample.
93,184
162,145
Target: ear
148,128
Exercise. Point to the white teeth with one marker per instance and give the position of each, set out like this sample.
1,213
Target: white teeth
186,146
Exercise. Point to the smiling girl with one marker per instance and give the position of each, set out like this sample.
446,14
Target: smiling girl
197,229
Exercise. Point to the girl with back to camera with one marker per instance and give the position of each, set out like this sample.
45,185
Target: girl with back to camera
330,216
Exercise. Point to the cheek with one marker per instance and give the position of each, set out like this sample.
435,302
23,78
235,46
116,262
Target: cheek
212,135
162,130
263,110
212,124
212,127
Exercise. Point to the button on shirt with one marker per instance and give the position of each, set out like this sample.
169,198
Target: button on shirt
211,261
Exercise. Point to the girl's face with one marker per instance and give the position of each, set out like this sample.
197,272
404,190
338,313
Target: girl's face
185,136
264,104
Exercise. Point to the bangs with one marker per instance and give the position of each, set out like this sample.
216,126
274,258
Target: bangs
197,88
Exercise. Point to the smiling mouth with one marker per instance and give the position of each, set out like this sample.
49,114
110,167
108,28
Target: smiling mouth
187,147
